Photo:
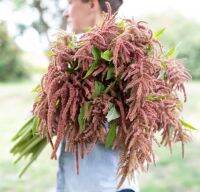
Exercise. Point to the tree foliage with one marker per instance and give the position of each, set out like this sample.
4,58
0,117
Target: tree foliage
182,33
11,67
49,15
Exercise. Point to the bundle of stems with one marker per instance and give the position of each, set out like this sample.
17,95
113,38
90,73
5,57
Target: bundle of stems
29,144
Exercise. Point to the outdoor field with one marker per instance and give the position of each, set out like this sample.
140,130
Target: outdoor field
28,30
172,174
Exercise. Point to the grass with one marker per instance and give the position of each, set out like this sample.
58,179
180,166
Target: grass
16,100
171,174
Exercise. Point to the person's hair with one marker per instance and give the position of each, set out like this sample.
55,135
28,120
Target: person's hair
115,4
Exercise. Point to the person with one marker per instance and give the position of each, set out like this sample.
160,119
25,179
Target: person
98,169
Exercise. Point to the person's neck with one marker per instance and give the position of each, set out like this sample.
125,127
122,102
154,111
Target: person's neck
96,21
99,17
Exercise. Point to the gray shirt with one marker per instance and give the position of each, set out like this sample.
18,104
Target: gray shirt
97,172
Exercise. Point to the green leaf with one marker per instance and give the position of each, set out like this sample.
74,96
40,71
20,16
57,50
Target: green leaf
187,125
171,52
37,89
158,34
107,55
81,119
50,53
122,24
111,134
96,53
91,69
110,73
112,113
84,115
99,89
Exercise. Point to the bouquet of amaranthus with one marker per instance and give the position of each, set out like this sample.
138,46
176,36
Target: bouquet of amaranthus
117,73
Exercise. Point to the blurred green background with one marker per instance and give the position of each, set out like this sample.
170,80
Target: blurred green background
22,66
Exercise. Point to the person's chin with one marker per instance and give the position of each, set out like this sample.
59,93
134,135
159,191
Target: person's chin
73,29
78,31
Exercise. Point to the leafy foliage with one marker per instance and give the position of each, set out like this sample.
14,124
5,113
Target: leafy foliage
98,89
50,14
158,34
96,54
112,133
182,31
112,113
81,119
11,66
106,55
187,125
